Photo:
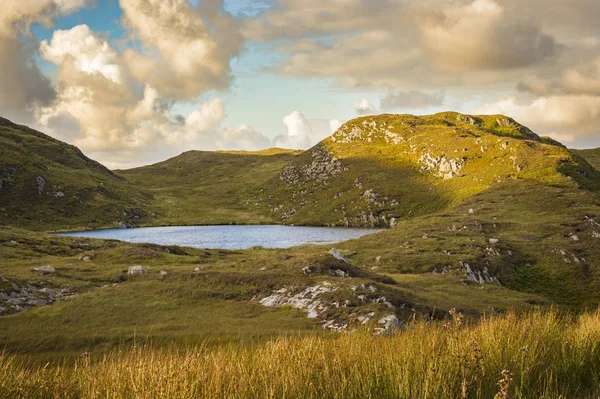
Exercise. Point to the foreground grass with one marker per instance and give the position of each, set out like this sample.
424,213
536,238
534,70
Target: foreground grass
538,355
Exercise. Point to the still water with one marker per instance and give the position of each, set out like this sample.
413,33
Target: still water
230,237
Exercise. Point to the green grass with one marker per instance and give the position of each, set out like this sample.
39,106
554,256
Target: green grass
201,187
537,355
219,303
77,192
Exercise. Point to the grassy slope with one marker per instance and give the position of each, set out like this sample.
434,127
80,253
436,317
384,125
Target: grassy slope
591,155
47,184
218,303
371,169
199,187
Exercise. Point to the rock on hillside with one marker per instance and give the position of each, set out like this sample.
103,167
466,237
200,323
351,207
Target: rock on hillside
48,184
377,170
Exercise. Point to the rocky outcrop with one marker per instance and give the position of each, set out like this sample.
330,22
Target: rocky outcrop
321,169
15,298
478,276
441,166
339,307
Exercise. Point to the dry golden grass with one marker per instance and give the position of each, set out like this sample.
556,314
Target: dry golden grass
539,355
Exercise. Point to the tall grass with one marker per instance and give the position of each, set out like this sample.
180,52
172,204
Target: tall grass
537,355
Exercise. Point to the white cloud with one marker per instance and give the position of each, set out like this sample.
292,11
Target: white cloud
85,50
363,107
480,35
567,117
23,87
195,45
304,133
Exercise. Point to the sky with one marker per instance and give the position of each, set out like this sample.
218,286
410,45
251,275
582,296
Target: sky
133,82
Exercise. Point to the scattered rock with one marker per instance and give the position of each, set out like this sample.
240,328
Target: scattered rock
44,269
262,269
494,241
26,297
136,270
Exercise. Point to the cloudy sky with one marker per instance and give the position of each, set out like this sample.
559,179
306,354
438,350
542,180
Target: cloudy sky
133,82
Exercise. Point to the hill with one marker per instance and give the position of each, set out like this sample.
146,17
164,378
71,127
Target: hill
46,184
377,170
591,155
202,187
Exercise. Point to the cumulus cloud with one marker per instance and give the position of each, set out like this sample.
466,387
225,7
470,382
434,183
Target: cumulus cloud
195,45
480,35
304,133
363,107
583,78
567,118
22,86
394,100
100,107
408,45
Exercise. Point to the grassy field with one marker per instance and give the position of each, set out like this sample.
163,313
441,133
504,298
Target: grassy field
208,295
537,355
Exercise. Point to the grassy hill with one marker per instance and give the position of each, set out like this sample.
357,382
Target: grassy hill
377,170
46,184
201,187
591,155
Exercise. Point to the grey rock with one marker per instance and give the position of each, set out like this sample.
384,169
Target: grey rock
122,225
336,254
389,324
136,270
45,269
41,184
14,301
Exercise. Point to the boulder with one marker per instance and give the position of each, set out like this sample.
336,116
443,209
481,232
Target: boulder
44,269
389,324
336,254
136,270
122,225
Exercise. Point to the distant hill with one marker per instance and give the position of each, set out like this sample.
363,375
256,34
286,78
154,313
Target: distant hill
47,184
203,187
591,155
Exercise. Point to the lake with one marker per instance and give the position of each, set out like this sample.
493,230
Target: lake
230,236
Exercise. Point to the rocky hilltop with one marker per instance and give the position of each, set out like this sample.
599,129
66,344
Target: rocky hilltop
377,170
